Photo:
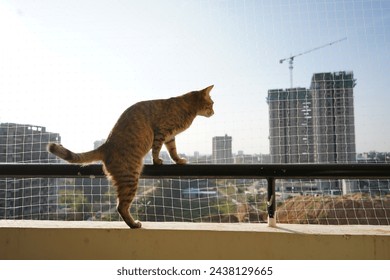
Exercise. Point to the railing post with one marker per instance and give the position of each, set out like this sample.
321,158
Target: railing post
271,202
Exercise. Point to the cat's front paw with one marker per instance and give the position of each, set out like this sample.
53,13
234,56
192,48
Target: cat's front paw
181,161
157,161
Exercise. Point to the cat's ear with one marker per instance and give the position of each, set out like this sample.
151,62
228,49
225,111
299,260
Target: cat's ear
208,89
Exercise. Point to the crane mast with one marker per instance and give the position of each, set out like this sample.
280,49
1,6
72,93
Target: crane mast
291,58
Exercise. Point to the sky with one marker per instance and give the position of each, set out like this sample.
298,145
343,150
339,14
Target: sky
75,66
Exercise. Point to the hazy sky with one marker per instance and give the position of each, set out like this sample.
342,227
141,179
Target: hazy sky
74,66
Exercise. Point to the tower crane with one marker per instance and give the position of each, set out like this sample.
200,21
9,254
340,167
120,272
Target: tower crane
291,58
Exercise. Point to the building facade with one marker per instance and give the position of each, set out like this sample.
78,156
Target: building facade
315,125
22,143
333,117
291,127
27,198
222,149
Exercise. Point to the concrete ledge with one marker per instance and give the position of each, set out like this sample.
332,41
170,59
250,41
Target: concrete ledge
158,241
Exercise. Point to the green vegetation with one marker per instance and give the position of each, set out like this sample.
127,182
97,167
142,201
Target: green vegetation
74,204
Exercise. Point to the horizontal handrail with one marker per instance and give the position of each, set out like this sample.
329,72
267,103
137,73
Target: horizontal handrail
264,171
270,172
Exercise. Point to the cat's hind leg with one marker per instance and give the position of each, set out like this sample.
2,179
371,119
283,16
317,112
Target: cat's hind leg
126,185
123,208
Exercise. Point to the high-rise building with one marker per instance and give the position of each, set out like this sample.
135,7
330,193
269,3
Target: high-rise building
222,149
314,125
291,129
333,117
23,143
26,198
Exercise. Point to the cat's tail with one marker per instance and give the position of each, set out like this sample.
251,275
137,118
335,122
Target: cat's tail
71,157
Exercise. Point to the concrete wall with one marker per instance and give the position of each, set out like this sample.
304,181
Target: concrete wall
113,240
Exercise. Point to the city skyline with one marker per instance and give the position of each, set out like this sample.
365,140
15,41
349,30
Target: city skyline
18,133
76,68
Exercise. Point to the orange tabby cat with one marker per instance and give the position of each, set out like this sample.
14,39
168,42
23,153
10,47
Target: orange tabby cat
145,125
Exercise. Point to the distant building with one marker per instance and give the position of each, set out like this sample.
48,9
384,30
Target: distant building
333,117
98,143
315,125
334,124
23,143
200,159
374,187
242,158
222,149
291,127
27,198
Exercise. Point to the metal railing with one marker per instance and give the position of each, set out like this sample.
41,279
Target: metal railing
269,172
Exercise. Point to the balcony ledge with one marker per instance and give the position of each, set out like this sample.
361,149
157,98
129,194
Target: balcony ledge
225,227
22,239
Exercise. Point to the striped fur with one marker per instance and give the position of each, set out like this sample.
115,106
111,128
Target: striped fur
145,125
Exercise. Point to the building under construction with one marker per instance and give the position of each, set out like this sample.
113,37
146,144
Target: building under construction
333,117
291,127
314,125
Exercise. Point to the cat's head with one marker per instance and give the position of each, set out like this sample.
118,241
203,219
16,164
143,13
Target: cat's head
205,107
